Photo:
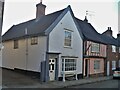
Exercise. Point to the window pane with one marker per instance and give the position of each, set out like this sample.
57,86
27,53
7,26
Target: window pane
113,65
70,64
15,44
67,41
95,47
96,64
113,48
34,40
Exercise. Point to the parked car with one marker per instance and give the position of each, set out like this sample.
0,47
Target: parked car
116,73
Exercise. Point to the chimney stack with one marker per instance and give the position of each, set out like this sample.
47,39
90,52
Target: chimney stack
118,35
40,10
109,32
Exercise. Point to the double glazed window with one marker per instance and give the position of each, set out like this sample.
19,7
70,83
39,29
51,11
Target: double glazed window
70,64
34,40
95,47
68,38
96,64
15,44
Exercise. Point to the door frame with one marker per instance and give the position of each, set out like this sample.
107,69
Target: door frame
51,67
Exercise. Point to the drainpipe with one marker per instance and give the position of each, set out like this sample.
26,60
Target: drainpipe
64,70
26,33
47,61
83,59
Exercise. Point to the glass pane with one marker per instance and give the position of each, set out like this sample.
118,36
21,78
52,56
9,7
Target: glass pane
52,66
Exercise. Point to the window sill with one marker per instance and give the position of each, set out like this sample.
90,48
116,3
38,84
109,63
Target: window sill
67,47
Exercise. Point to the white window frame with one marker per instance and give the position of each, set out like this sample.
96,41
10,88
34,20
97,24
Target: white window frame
68,68
67,40
95,47
34,40
97,67
113,48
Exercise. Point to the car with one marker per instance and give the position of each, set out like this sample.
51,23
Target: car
116,73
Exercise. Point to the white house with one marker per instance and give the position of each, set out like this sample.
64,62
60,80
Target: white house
50,44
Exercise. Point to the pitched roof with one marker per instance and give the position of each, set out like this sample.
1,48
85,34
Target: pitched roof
118,39
118,42
45,24
91,34
34,26
110,40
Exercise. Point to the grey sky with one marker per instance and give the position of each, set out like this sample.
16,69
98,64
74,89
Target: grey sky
105,12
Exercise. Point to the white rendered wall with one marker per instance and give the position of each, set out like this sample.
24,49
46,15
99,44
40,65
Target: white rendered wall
56,41
17,58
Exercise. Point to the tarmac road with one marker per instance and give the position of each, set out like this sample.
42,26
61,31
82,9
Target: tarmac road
104,84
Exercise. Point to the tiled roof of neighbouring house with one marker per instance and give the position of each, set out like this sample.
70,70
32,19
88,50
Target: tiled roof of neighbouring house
118,38
91,34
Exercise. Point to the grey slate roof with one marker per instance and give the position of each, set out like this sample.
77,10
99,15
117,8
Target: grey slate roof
45,24
110,40
34,27
91,34
118,39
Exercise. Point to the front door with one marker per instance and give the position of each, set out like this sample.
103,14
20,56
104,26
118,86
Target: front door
86,67
52,69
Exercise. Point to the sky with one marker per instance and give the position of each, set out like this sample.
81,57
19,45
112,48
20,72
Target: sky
101,13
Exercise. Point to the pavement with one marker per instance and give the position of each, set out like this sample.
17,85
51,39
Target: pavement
61,84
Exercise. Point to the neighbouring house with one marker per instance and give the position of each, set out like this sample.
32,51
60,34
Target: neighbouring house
1,20
50,45
94,53
112,52
118,39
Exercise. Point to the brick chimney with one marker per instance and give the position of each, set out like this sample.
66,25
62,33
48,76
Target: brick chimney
118,35
108,32
40,10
